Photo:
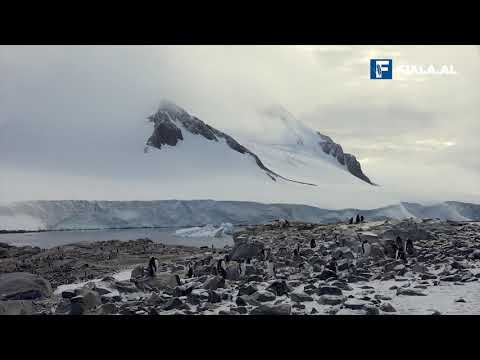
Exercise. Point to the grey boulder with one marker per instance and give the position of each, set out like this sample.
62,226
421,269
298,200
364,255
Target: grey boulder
24,286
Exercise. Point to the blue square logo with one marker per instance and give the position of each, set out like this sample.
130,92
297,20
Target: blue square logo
381,69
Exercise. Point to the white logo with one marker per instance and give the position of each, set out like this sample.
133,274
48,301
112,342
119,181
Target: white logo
426,70
381,66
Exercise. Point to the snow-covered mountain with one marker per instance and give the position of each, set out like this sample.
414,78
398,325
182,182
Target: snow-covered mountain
173,124
77,214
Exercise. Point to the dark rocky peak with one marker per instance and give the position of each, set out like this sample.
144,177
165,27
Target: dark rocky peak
348,160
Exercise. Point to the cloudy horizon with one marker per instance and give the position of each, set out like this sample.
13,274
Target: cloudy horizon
71,117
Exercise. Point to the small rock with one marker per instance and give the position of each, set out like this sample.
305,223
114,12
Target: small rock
283,309
410,292
300,297
240,301
107,309
355,304
68,294
329,290
247,290
371,310
263,296
331,300
387,307
214,283
173,303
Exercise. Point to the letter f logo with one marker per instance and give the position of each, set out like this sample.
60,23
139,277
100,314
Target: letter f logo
380,69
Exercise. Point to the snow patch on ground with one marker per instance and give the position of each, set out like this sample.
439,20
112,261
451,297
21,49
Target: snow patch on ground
119,276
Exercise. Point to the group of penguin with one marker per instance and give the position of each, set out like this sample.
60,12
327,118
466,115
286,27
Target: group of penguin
358,219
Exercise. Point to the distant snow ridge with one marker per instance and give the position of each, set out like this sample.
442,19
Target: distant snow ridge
68,214
170,121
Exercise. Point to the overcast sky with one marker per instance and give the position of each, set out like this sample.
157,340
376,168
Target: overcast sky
60,106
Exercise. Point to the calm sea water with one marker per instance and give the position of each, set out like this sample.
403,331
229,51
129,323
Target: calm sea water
58,238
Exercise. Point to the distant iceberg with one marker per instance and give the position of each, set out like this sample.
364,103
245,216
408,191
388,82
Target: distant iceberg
206,231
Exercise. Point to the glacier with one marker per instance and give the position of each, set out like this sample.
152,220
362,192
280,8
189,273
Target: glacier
82,214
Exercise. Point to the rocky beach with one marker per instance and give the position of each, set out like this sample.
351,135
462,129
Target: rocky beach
279,268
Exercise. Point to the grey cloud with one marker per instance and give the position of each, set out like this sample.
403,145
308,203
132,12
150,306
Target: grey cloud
72,111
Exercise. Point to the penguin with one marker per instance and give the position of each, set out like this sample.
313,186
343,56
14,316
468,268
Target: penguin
179,281
313,244
409,247
400,248
219,264
362,219
350,221
357,219
190,272
222,272
152,267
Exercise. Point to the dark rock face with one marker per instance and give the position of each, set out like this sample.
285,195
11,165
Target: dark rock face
23,286
329,290
279,287
247,290
300,297
246,250
348,160
173,303
214,283
331,300
387,307
263,296
166,131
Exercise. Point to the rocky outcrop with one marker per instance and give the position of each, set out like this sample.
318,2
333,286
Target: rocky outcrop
349,161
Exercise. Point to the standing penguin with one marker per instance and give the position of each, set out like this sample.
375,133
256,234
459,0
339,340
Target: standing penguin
357,219
399,246
313,244
409,247
350,221
190,272
152,267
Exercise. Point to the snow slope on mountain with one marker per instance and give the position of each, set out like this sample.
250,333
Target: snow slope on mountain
295,148
174,213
